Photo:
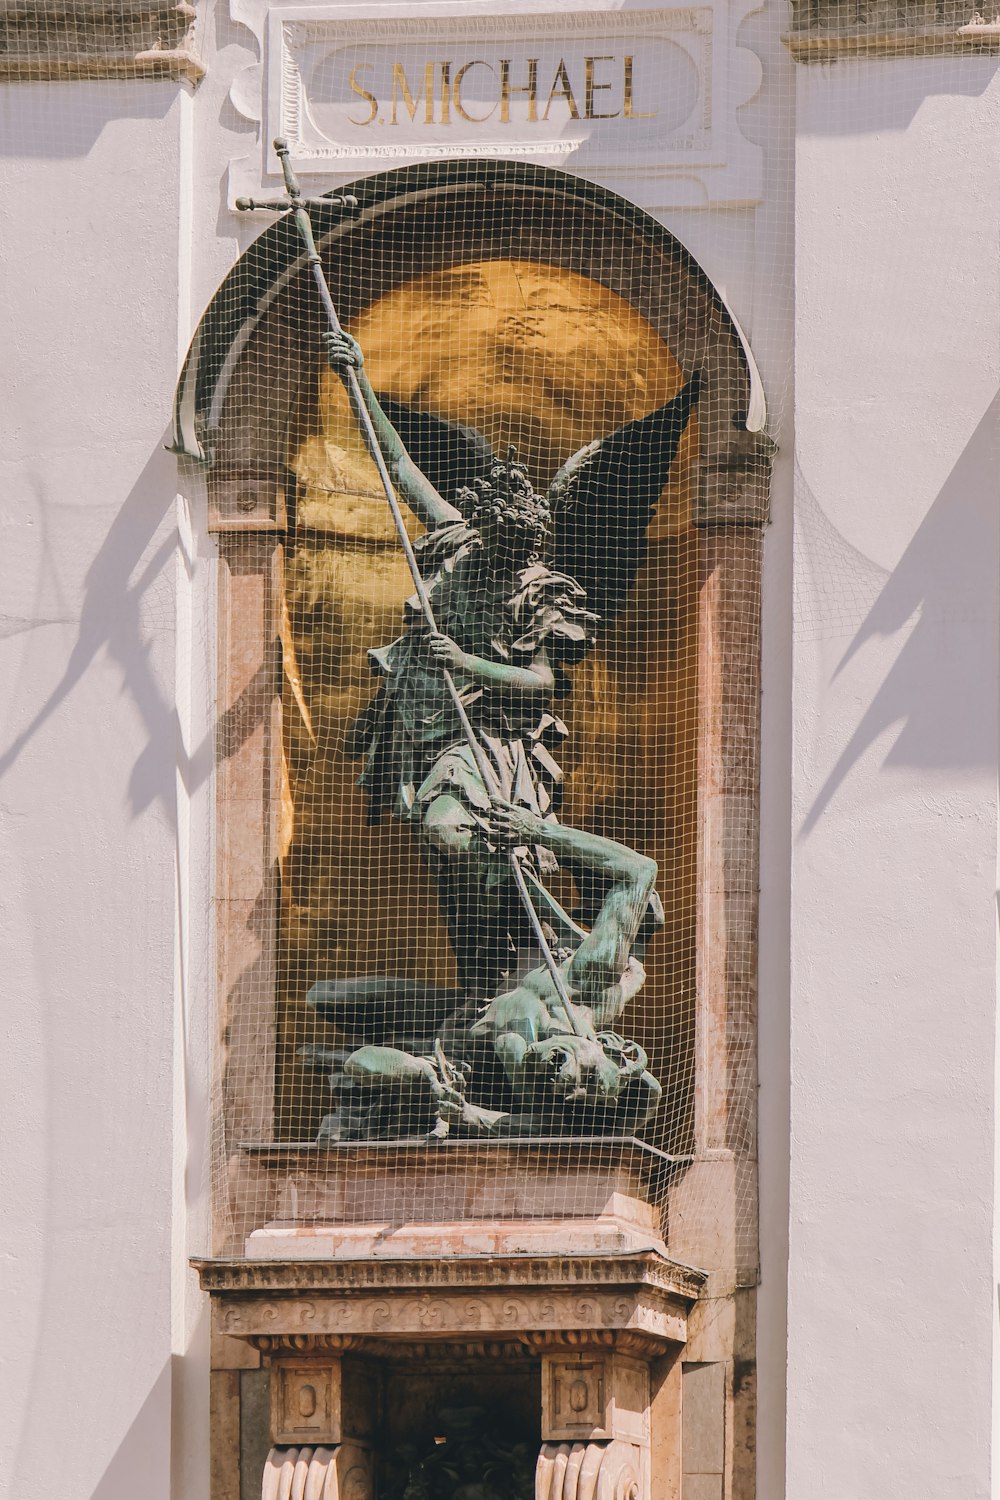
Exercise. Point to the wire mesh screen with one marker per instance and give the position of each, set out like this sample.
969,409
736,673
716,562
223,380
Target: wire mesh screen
483,768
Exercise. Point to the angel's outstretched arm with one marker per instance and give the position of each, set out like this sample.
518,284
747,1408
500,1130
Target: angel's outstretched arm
416,489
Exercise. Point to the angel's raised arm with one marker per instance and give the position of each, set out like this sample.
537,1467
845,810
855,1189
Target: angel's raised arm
416,489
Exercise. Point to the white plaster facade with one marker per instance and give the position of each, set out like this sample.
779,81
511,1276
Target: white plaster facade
866,279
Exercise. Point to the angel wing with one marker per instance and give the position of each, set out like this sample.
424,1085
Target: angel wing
448,453
604,497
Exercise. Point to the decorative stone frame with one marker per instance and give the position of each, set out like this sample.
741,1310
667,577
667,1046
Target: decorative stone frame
246,484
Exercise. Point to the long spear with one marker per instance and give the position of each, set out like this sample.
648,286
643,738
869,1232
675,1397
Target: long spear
299,206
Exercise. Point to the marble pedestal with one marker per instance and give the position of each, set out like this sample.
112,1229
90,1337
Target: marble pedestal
530,1278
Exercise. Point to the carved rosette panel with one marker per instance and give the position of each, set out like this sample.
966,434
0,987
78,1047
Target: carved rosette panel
589,1471
305,1402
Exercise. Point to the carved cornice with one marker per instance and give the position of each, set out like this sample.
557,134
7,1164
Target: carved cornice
304,1343
320,1345
384,1319
322,1307
577,1340
644,1270
825,30
54,39
529,1345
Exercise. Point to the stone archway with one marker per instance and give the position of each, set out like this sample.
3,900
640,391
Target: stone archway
246,400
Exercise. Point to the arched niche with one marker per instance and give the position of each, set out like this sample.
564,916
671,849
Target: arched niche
431,217
251,386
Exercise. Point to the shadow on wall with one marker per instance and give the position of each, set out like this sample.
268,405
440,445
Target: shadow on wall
842,103
942,686
34,122
141,1463
111,620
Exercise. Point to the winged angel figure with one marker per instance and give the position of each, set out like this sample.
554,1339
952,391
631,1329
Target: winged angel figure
518,582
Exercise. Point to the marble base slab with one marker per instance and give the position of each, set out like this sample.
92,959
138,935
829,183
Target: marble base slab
385,1199
621,1230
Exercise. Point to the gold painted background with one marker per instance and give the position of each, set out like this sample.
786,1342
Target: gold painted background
542,358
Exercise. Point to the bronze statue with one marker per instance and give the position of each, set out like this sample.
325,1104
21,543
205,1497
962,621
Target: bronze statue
509,588
514,582
507,623
517,1049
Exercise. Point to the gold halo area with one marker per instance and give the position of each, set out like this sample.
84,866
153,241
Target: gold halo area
544,359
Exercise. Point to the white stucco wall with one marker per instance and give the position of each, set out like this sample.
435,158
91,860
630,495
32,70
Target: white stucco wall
880,754
100,767
892,1294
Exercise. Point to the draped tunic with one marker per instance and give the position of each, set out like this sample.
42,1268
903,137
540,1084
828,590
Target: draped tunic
410,732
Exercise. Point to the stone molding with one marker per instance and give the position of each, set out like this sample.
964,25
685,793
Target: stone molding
659,1322
274,1346
53,40
631,1304
735,486
827,30
544,1272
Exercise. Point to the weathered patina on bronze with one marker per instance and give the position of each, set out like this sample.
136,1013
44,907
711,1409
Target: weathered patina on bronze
516,583
510,586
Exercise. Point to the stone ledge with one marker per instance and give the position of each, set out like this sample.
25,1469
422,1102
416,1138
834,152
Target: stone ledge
401,1188
50,40
819,44
646,1269
620,1229
637,1302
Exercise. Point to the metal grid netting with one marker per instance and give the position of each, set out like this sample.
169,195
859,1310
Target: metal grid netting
397,1012
526,309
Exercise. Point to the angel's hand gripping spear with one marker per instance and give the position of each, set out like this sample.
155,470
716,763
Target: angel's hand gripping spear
298,206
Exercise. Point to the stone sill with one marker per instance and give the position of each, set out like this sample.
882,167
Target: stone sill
824,44
239,1275
31,67
53,40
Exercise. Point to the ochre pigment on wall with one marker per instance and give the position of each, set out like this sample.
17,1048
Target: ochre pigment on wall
542,358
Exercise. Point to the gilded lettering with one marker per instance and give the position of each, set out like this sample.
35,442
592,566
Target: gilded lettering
477,62
591,87
442,84
507,88
561,89
362,93
445,92
628,112
401,85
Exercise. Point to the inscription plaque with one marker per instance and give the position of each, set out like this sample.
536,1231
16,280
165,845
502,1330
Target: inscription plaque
647,96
